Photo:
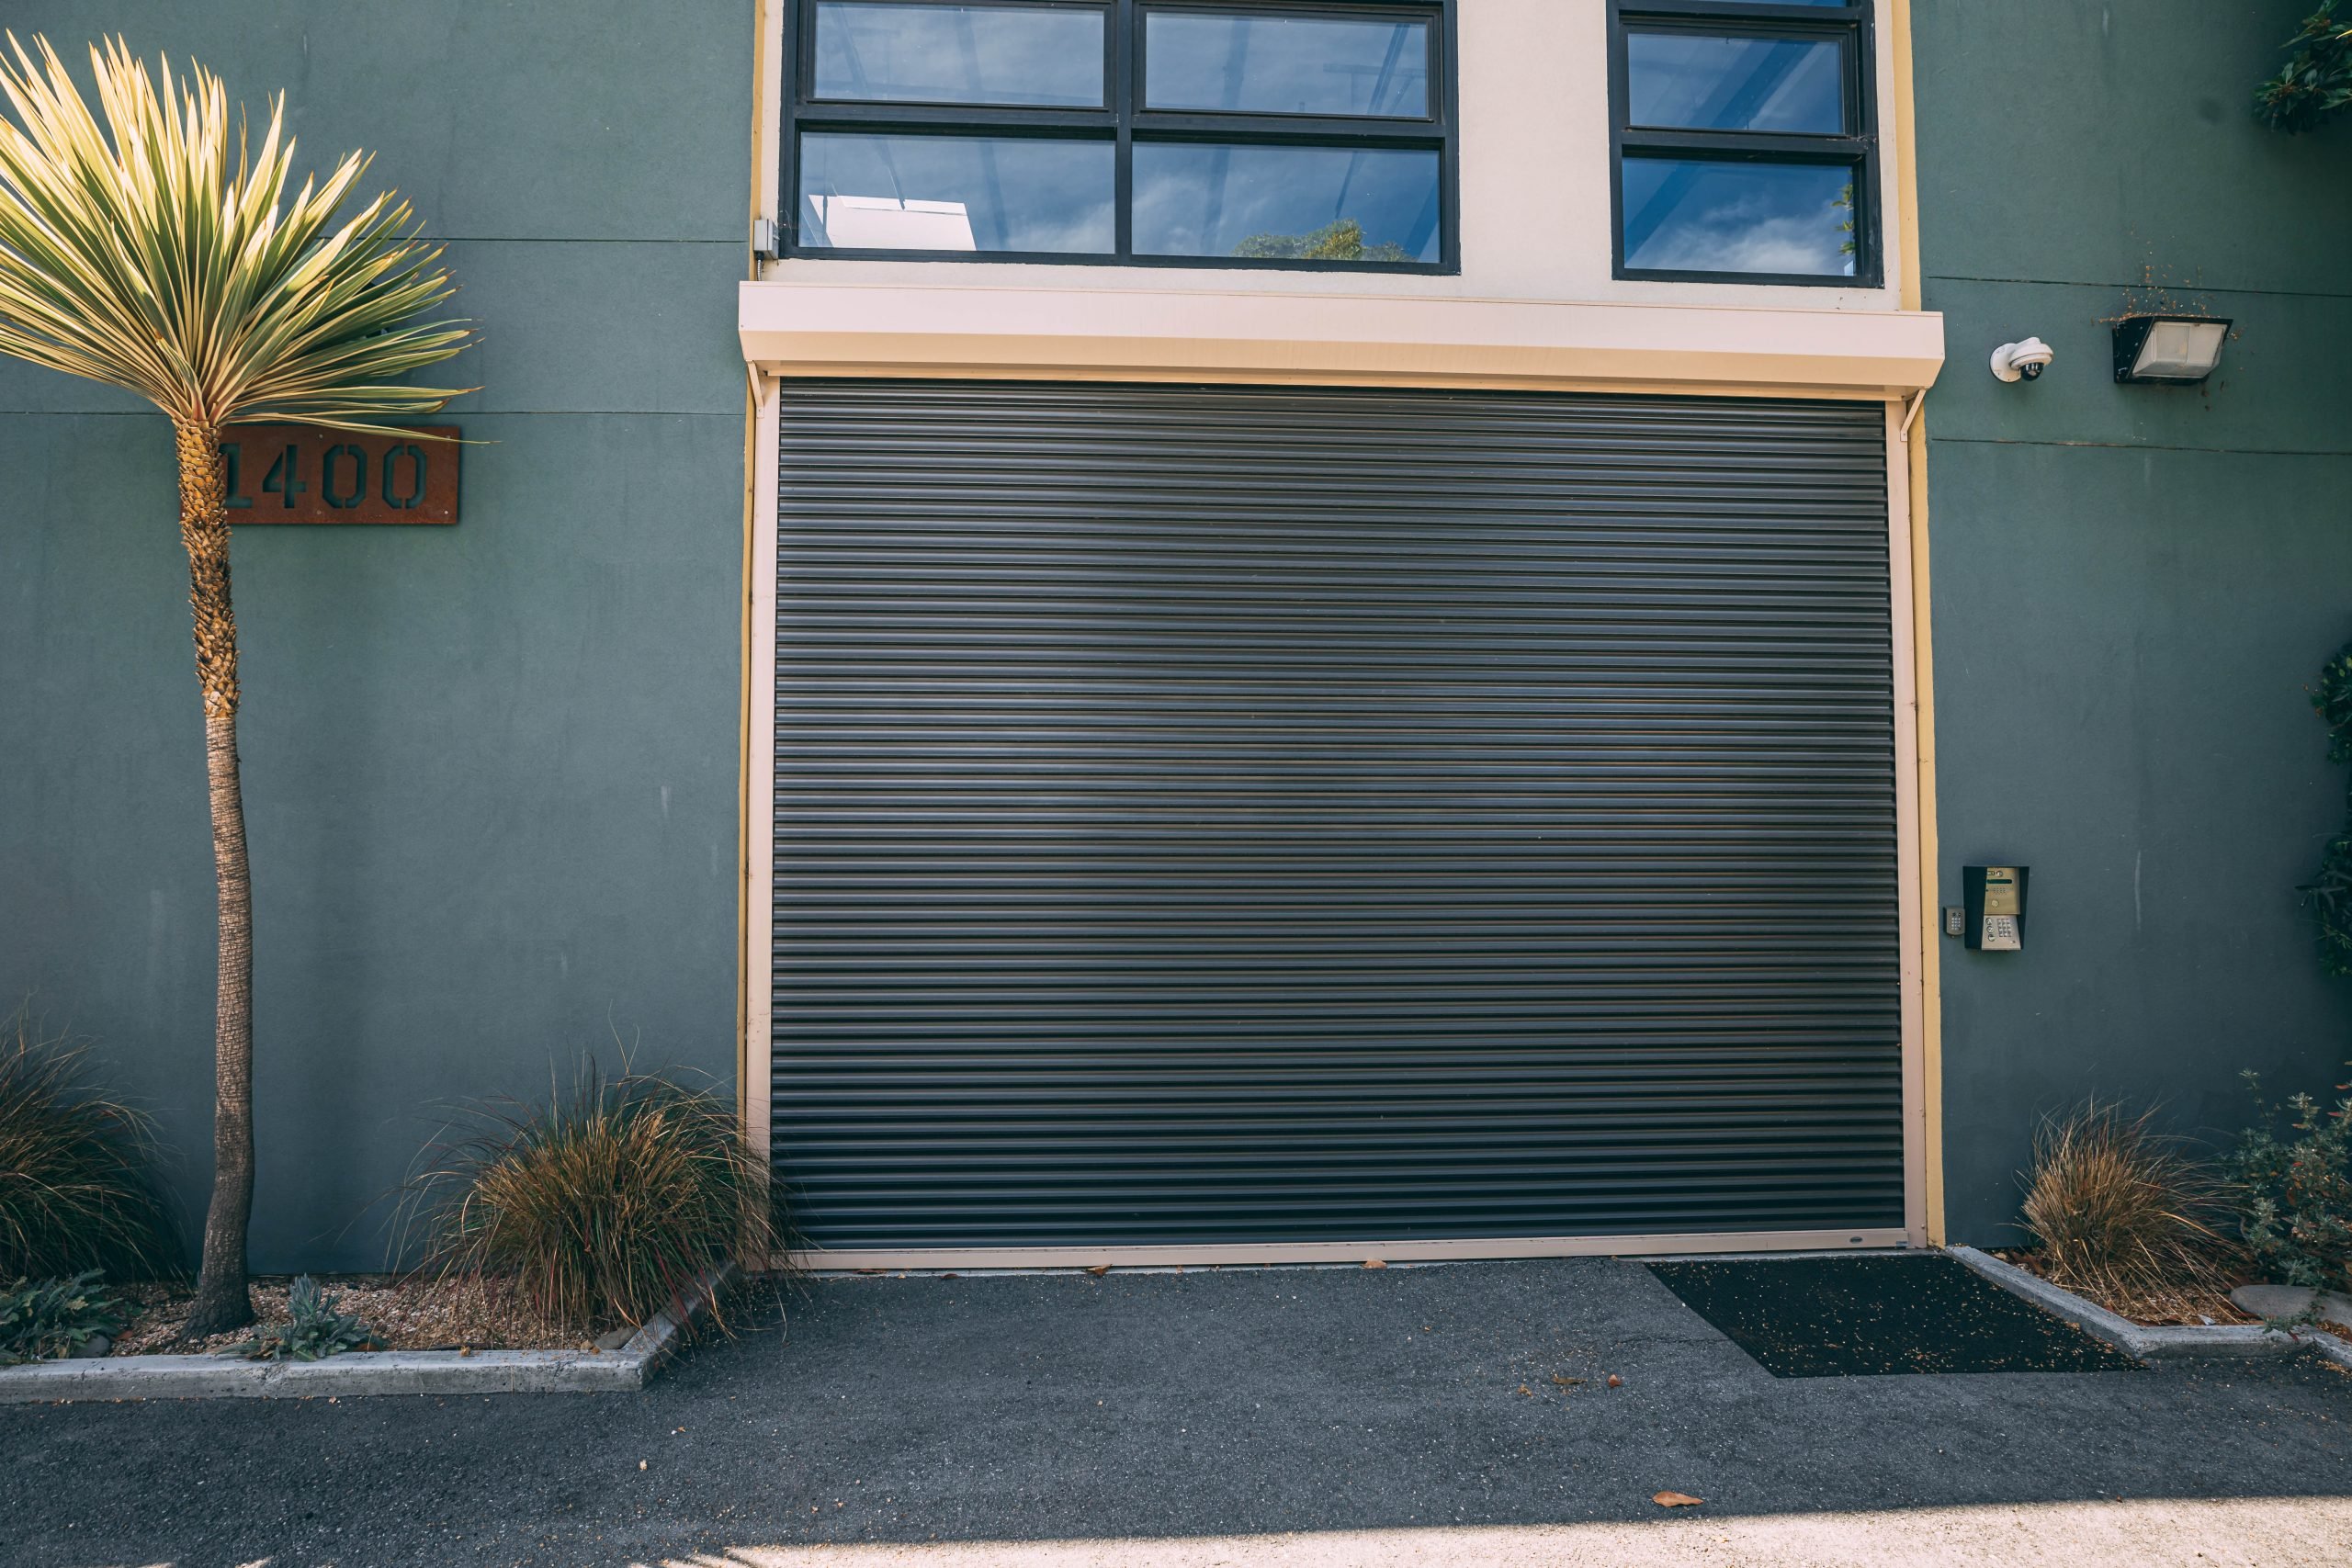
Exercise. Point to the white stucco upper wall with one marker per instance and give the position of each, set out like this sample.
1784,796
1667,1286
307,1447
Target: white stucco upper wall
1535,177
1535,165
1534,304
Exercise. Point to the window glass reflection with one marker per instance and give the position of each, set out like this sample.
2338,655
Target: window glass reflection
1692,82
957,193
1286,203
1286,65
873,50
1694,215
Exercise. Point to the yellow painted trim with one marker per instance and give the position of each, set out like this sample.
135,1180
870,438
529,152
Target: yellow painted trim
759,753
1906,162
743,772
1912,294
1912,916
1925,729
766,27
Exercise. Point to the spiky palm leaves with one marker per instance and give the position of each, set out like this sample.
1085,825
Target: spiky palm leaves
138,253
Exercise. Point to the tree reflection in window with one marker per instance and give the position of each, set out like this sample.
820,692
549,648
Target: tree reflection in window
1342,240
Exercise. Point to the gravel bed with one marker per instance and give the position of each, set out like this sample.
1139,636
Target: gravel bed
406,1314
2172,1309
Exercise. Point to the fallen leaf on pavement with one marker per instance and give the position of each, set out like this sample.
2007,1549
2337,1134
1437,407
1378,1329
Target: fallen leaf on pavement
1375,1263
1567,1382
1527,1391
1616,1382
1676,1500
1100,1269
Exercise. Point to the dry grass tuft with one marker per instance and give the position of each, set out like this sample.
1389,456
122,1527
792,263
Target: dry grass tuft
75,1189
601,1206
2124,1214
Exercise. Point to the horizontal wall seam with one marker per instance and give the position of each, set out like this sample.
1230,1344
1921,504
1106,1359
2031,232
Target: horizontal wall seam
2143,285
2143,447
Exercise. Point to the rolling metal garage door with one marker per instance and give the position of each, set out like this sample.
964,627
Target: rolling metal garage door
1227,815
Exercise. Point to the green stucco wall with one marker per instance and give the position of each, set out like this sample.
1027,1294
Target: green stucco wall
490,770
2132,585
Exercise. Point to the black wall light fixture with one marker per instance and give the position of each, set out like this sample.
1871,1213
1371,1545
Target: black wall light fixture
2168,351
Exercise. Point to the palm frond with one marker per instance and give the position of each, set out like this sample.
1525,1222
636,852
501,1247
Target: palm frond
144,253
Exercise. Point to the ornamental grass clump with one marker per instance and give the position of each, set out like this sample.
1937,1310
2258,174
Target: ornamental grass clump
604,1206
2122,1213
75,1189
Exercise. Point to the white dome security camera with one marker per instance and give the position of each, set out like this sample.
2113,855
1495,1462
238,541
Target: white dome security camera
2022,361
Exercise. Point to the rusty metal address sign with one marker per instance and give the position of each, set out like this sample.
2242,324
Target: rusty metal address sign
298,473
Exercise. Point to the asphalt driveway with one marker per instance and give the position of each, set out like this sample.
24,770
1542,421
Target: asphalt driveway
1410,1414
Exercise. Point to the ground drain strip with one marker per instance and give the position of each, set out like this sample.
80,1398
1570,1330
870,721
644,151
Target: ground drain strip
1828,1317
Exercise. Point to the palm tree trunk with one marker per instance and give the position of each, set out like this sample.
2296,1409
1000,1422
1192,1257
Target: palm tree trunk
223,1300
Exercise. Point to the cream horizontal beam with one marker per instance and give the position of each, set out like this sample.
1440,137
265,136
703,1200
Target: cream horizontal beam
1239,1253
792,328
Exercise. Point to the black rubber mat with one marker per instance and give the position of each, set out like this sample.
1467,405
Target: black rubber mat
1832,1317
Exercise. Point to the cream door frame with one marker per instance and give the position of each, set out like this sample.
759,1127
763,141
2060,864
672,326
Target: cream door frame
758,962
1917,935
896,320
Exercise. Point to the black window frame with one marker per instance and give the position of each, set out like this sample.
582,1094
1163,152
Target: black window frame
1853,25
1123,120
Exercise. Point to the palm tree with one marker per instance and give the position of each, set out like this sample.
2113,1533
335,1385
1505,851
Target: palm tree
139,255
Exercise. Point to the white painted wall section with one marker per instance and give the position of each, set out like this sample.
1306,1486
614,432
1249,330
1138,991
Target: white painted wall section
1533,306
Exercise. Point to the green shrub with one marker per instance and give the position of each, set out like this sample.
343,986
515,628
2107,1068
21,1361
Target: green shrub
2121,1212
75,1189
603,1206
313,1329
2329,892
2296,1188
2316,81
55,1317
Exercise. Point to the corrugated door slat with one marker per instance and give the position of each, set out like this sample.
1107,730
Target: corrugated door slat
1220,815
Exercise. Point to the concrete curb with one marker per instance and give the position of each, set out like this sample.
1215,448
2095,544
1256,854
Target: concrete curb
2153,1343
362,1373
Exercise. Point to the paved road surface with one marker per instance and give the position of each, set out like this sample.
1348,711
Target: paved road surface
1243,1416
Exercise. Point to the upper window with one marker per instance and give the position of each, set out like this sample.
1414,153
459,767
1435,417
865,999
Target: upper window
1313,133
1744,141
